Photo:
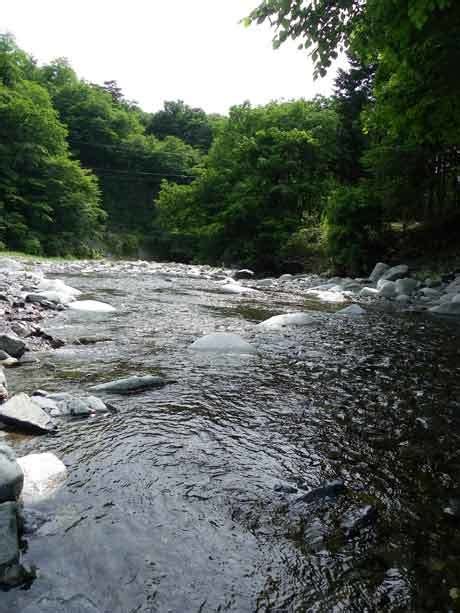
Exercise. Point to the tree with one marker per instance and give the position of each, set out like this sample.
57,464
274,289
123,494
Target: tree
180,120
267,168
49,203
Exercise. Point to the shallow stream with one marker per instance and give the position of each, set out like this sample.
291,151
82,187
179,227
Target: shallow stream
189,498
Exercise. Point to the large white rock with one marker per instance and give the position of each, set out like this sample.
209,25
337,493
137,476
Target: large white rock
59,286
22,413
44,474
222,342
368,292
328,295
92,306
289,319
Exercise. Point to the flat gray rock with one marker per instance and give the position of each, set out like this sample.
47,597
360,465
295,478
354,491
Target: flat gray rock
69,405
11,475
23,413
130,384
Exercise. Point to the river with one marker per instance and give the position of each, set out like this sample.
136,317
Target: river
189,498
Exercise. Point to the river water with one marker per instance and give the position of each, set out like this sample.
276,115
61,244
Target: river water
189,498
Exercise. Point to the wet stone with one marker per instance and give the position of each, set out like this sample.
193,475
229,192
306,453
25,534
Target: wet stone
357,519
11,475
12,345
330,489
20,412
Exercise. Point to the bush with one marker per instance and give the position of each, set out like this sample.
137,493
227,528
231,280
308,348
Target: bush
352,227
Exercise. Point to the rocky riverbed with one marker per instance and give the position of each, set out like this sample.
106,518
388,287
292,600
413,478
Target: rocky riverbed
206,439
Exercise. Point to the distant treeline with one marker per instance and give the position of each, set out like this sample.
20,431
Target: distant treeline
335,181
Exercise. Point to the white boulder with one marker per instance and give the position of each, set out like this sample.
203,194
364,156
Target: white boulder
222,342
91,306
289,319
44,474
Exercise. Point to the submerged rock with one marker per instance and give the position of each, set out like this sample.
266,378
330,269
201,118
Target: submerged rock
91,306
130,384
222,342
44,474
353,309
329,489
12,345
289,319
354,521
24,414
11,475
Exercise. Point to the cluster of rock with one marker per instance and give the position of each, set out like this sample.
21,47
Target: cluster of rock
25,479
438,294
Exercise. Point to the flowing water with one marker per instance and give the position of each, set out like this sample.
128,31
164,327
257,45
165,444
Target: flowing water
191,498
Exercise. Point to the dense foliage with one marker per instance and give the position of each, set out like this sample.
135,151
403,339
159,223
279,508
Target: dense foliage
399,105
79,171
48,203
267,168
333,181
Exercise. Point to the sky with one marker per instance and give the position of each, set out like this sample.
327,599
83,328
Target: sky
160,50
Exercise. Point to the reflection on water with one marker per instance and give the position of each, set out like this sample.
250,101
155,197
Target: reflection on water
193,497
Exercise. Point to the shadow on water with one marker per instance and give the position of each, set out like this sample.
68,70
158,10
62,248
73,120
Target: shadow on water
321,474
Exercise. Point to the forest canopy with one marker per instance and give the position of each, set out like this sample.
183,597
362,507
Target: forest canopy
331,182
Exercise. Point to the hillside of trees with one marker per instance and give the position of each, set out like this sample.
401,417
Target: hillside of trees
334,182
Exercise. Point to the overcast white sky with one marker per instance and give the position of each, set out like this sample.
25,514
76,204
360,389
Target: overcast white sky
165,49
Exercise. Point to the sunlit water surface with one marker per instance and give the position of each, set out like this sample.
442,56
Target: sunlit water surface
188,499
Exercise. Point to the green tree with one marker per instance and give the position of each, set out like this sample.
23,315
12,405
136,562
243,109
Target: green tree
49,203
266,169
191,125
